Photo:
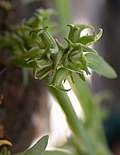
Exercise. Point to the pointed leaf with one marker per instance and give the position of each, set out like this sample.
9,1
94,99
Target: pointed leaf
33,53
60,76
56,152
4,151
43,63
74,68
98,36
23,63
39,147
87,40
100,66
41,74
88,49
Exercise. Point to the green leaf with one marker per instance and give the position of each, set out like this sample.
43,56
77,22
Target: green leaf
4,151
73,67
37,149
33,53
88,49
98,36
60,76
56,152
82,27
41,74
43,63
100,66
87,40
23,63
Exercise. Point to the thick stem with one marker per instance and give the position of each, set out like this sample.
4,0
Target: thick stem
75,124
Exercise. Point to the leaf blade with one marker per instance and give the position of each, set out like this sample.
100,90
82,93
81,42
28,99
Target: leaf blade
100,66
56,152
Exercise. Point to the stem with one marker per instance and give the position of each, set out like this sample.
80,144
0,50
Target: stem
91,111
64,8
84,96
25,77
75,124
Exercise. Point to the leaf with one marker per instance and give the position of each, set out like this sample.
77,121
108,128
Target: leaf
23,63
86,40
60,76
100,66
89,39
4,151
37,149
56,152
98,36
73,68
43,63
82,76
82,27
88,49
41,74
34,52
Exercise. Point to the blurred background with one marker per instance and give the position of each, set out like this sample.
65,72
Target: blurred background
29,112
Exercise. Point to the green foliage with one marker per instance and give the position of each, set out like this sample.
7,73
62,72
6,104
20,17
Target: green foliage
18,39
56,152
54,63
32,46
92,119
97,63
37,149
4,151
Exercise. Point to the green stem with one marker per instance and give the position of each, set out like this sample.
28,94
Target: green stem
25,77
63,8
84,96
75,124
91,111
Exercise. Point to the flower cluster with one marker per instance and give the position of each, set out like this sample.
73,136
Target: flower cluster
33,46
54,62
